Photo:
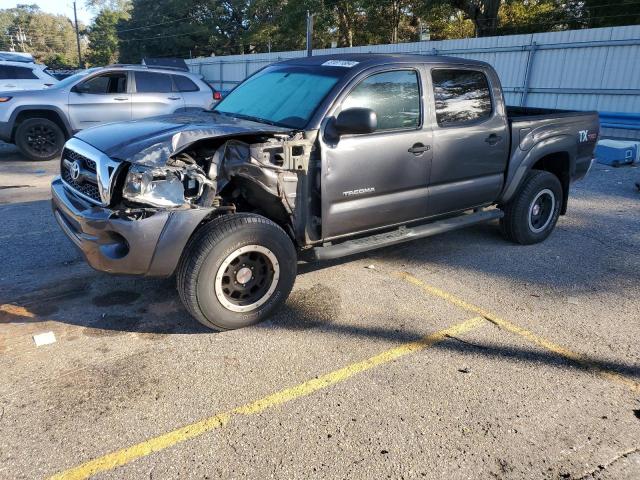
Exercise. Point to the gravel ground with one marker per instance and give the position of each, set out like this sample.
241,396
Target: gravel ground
492,401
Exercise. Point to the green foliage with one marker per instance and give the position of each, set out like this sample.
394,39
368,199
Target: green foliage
103,37
47,37
128,30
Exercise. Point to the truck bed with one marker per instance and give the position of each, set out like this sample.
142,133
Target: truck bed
532,126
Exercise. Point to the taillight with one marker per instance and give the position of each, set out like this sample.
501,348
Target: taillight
217,96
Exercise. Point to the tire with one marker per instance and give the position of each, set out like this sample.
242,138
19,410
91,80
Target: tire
520,223
226,251
39,139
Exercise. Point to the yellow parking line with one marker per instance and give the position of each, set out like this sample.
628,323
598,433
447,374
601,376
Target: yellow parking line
129,454
527,334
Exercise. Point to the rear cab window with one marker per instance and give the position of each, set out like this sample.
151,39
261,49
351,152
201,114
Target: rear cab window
394,96
152,82
462,96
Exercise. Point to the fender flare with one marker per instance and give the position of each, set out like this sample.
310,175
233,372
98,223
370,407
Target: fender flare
523,161
35,108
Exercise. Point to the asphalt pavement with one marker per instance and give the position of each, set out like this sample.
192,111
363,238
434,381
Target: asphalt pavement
461,356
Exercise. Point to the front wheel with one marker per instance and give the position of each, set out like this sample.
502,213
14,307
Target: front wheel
39,139
236,270
532,214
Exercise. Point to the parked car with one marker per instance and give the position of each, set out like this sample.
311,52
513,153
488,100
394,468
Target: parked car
315,158
20,72
39,122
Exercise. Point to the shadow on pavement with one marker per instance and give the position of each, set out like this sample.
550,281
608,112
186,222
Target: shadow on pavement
297,316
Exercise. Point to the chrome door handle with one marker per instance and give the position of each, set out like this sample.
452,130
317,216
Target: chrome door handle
419,149
121,99
173,98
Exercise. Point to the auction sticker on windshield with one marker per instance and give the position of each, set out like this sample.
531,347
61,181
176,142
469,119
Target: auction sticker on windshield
339,63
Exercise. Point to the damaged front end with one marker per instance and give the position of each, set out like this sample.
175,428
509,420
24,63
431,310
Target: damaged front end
256,173
168,186
156,184
157,203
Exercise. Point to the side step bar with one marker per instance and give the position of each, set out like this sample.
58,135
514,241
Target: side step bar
401,235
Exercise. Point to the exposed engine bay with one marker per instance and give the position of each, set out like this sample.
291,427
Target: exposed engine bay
258,173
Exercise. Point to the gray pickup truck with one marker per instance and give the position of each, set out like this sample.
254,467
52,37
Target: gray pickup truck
315,158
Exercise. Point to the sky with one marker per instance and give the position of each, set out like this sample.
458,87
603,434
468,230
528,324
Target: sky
62,7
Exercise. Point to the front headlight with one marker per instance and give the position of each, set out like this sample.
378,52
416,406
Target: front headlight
154,186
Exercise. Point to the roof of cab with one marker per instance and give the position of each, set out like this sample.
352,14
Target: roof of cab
373,59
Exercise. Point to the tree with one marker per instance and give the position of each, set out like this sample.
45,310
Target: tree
605,13
534,16
27,29
103,37
445,22
483,13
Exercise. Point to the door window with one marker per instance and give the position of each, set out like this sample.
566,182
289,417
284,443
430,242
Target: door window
461,96
183,84
394,96
8,72
106,84
150,82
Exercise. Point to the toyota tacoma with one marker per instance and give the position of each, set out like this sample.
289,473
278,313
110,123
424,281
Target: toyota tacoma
312,159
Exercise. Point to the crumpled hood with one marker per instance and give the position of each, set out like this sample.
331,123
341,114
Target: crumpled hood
153,141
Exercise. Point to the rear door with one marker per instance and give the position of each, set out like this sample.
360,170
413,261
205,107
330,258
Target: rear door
378,179
471,139
19,78
102,98
154,95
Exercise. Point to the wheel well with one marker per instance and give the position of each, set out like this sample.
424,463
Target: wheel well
248,197
48,114
560,165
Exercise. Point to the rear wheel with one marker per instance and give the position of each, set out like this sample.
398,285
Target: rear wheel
39,139
236,270
532,214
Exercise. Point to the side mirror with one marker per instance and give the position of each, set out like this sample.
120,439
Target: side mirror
356,120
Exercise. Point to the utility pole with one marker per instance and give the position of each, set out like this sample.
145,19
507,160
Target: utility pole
22,38
75,16
309,34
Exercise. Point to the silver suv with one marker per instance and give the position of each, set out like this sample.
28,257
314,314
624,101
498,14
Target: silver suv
40,121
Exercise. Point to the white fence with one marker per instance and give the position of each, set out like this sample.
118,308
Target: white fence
595,69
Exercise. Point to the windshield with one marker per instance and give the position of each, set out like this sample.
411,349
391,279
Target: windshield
66,82
283,96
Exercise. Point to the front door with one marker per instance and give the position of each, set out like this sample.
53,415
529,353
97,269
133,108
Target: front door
378,179
100,99
471,140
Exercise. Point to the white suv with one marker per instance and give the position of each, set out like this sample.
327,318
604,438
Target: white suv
40,121
22,75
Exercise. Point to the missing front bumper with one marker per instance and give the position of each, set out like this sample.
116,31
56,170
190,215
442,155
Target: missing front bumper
116,243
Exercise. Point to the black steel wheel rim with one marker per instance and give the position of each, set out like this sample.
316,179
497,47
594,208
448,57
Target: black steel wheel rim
255,287
541,210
